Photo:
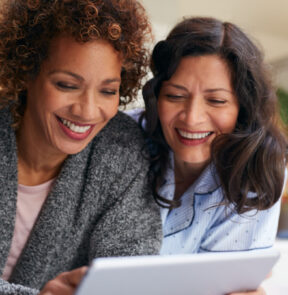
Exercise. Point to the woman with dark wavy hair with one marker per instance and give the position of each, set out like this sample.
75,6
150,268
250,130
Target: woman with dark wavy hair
218,154
73,179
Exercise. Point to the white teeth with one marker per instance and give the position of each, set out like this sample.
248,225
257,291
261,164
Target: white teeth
190,135
75,128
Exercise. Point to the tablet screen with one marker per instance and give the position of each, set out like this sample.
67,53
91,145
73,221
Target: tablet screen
188,274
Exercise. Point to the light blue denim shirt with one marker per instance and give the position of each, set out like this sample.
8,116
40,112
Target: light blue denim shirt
200,224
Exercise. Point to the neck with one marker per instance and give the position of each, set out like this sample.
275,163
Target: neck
185,175
36,164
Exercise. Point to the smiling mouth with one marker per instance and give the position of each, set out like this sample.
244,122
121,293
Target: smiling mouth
193,135
74,127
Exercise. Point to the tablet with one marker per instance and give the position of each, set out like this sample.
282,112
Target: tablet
188,274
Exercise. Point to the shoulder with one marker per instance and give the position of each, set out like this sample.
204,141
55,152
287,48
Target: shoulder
120,143
134,113
116,154
257,230
121,121
121,131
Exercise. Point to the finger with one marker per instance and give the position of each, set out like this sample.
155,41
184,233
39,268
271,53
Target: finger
73,277
57,287
65,283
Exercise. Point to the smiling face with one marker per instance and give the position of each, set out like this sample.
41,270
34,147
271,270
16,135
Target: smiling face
73,97
196,105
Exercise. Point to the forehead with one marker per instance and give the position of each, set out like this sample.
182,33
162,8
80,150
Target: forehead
207,69
97,55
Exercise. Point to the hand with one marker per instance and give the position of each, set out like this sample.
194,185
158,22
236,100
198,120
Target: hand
259,291
65,283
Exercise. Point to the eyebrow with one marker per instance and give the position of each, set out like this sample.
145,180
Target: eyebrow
206,90
80,78
218,89
176,86
113,80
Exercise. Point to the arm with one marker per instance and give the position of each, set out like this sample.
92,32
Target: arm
129,223
255,229
132,225
249,231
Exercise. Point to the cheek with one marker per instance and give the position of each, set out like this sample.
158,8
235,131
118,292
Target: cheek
51,100
226,122
165,114
164,121
111,109
52,104
167,128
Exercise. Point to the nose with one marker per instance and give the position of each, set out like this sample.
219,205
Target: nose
87,107
194,111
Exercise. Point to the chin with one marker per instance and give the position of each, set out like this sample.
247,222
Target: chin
70,150
196,161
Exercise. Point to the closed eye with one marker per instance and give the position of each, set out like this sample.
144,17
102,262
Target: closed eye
174,97
110,92
216,101
66,86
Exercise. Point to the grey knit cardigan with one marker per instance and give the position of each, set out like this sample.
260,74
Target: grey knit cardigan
100,205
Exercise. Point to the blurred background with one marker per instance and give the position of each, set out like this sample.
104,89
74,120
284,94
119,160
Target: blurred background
265,21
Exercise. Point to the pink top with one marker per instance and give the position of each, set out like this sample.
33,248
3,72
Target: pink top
29,202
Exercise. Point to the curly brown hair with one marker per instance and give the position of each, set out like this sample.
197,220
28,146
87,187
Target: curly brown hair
28,26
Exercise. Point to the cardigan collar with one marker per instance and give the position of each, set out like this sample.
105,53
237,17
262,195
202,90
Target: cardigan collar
55,211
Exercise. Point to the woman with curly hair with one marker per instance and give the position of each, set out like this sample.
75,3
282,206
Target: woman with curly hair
73,179
218,154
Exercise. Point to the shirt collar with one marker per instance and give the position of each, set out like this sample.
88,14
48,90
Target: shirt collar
181,218
206,183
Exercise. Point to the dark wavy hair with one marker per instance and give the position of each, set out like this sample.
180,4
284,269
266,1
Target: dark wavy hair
28,26
250,159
